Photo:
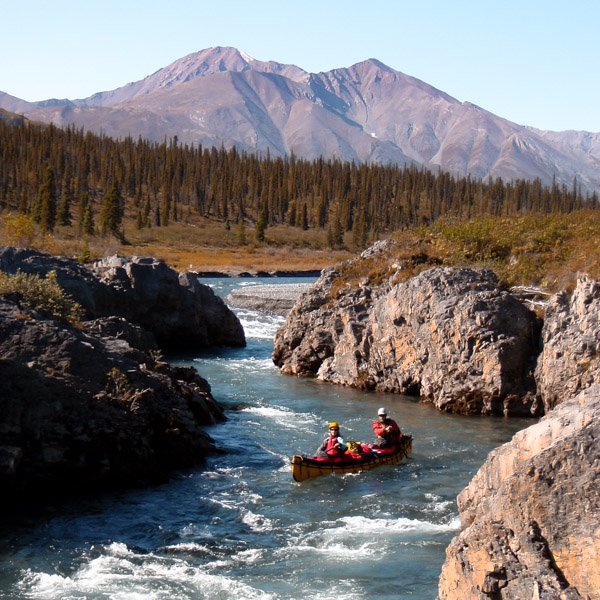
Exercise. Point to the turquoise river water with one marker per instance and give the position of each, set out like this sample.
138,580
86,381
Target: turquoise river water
240,527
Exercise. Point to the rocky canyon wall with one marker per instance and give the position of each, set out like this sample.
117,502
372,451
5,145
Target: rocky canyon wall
450,335
531,515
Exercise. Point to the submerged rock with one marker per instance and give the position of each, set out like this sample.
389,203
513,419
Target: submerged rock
531,514
450,335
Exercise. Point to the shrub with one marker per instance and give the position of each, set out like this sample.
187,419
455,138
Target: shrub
40,294
19,230
119,388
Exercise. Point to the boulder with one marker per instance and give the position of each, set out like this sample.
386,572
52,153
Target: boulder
81,408
570,358
531,515
450,335
180,312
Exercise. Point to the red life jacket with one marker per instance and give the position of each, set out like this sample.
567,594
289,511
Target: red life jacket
329,444
392,436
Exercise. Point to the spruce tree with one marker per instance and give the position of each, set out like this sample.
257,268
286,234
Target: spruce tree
64,216
44,205
304,218
111,214
83,202
87,224
261,225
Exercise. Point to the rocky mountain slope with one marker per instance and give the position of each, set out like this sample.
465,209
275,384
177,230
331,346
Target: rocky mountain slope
367,112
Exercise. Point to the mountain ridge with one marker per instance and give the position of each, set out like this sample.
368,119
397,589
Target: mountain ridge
368,112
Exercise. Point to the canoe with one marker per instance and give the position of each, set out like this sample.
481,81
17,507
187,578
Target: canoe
304,467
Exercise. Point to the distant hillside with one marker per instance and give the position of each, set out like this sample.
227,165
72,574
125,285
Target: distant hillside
365,113
11,118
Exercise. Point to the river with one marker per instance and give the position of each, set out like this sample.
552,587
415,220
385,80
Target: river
240,527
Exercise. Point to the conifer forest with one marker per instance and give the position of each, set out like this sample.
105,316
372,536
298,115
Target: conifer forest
69,177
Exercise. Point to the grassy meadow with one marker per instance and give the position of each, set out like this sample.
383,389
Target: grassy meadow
547,251
196,244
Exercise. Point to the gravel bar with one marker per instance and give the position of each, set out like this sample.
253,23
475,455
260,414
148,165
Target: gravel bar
271,299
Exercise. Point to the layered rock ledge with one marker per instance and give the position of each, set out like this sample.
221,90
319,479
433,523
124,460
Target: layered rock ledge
531,515
450,335
271,299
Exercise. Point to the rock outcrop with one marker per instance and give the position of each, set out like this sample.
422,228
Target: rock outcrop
78,281
90,407
531,515
450,335
570,358
179,311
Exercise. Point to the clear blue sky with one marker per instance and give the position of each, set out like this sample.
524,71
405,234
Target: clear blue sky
532,62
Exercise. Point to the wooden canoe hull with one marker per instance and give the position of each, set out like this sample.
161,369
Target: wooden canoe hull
306,468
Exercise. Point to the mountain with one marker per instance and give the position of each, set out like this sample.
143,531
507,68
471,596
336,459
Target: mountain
366,112
11,117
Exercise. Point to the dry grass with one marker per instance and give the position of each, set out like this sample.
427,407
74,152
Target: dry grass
547,251
544,250
199,246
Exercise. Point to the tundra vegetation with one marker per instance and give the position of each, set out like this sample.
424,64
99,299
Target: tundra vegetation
547,251
42,294
68,192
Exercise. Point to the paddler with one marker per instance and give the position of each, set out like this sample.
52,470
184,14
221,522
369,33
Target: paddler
386,429
334,445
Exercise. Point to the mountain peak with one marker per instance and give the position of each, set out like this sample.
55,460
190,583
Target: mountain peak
376,64
213,60
366,112
210,61
226,58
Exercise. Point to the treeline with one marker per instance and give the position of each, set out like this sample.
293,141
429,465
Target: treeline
71,178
